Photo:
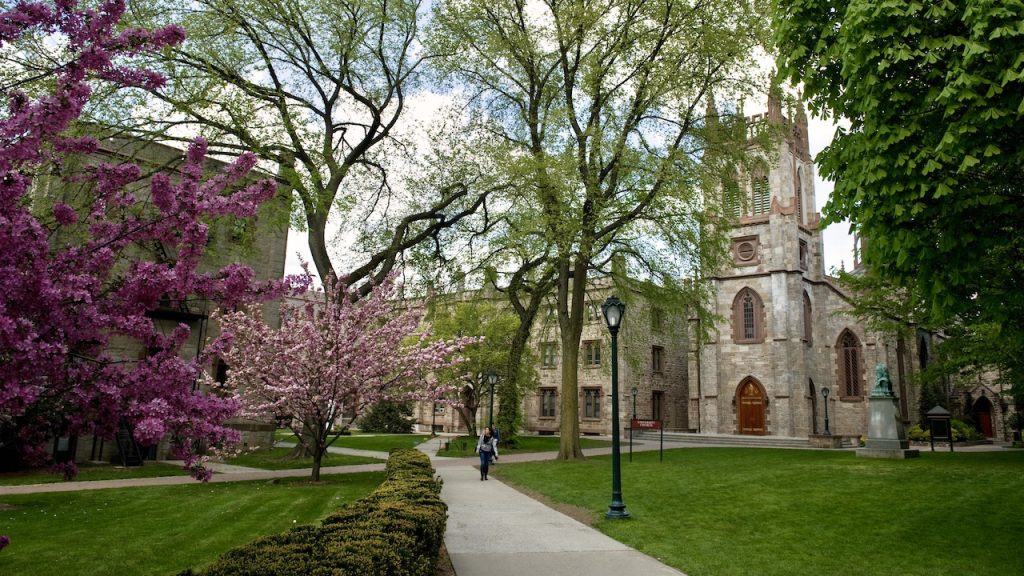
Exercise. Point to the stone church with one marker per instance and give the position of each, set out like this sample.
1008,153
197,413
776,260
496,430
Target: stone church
786,347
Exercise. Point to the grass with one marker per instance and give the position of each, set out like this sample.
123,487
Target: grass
160,529
465,446
88,472
277,459
376,442
721,511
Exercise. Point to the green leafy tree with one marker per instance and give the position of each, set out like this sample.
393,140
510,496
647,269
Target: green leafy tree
600,106
930,171
323,90
498,325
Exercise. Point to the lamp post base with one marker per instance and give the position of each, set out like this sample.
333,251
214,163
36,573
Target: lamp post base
616,510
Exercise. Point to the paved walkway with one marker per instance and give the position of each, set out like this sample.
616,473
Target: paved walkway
534,539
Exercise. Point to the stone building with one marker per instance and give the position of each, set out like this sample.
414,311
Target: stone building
652,359
785,336
259,243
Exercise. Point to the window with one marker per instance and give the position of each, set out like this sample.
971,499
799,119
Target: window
438,409
592,353
731,198
762,195
803,255
657,359
220,373
850,365
748,317
592,403
744,250
657,317
808,320
547,402
548,354
657,401
593,312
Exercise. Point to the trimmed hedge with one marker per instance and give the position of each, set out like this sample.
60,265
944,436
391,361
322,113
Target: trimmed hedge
397,531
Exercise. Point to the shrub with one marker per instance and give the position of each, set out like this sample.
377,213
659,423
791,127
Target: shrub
918,434
962,431
396,530
388,417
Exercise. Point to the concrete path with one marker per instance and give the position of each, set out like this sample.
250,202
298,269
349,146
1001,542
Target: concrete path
535,540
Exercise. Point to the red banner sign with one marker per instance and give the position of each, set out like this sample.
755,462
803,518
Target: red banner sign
645,424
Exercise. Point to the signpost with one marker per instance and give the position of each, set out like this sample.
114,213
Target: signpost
639,424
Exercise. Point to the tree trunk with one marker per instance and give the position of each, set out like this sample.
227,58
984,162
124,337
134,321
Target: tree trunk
316,235
468,418
571,295
318,457
510,400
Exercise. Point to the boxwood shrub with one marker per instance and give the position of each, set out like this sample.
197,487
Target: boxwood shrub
396,530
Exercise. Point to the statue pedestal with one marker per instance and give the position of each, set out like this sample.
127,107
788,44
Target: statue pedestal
886,436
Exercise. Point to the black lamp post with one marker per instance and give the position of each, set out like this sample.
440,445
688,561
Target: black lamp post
824,394
492,379
433,421
613,310
631,426
634,402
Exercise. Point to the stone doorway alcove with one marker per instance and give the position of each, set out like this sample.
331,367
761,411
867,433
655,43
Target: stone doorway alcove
750,408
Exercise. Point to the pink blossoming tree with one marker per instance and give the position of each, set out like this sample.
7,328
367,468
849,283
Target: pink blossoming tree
336,353
70,276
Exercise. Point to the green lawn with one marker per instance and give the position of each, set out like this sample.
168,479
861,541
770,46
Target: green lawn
92,472
722,511
277,459
161,529
377,442
465,446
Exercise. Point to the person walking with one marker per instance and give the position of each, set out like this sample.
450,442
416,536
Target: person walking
487,447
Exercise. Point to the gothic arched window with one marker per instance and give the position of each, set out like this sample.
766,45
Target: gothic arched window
748,317
808,322
850,364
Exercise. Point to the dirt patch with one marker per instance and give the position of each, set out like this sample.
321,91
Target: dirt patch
7,507
444,563
575,512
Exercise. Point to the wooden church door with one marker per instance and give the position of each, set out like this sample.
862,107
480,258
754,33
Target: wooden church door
751,409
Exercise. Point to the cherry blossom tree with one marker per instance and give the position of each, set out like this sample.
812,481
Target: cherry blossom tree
71,280
337,353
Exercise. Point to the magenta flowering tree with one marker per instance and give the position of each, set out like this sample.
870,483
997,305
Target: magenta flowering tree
335,354
71,280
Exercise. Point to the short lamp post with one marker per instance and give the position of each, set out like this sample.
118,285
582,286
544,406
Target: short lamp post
824,394
433,421
492,379
613,310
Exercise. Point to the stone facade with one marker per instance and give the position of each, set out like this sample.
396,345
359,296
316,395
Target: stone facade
652,358
259,244
785,332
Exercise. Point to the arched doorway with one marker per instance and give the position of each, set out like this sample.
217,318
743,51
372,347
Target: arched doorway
982,411
750,408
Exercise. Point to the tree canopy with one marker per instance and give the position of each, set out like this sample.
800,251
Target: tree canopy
931,171
600,105
71,279
323,90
